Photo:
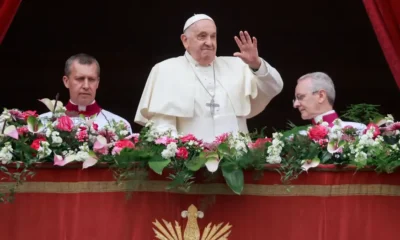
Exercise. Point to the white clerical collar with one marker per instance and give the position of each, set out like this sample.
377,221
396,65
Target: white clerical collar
81,107
319,117
193,61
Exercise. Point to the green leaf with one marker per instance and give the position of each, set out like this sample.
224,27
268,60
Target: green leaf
234,178
158,166
128,156
196,163
224,149
326,156
34,124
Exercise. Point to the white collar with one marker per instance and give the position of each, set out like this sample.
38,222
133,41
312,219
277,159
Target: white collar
81,107
319,117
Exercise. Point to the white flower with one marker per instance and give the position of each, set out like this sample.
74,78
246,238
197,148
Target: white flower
239,143
6,115
6,153
56,139
389,119
123,132
48,132
149,124
325,124
361,157
275,149
43,150
274,159
170,151
81,156
84,147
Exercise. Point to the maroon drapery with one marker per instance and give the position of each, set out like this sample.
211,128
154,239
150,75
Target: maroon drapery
75,204
385,19
8,9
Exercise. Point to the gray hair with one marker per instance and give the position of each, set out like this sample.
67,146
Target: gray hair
83,59
321,81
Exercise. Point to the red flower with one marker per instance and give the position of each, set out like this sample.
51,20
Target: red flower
182,153
121,144
65,124
124,143
260,142
95,127
376,129
36,143
317,132
29,113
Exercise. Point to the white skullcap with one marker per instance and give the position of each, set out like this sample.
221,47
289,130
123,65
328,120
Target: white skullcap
195,18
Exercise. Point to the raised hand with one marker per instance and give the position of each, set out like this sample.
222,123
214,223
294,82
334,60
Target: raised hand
248,50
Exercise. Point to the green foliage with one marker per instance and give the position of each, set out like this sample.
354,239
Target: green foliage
180,159
362,113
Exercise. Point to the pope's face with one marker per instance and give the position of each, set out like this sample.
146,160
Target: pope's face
201,41
307,101
82,83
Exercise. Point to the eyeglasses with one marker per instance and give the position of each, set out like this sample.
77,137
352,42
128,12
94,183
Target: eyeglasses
300,97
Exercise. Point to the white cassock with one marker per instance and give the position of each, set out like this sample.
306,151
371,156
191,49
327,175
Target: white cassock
102,119
178,93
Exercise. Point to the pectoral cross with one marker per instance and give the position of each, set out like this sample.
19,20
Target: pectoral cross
212,106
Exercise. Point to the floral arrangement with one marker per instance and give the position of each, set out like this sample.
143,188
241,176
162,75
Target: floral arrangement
27,139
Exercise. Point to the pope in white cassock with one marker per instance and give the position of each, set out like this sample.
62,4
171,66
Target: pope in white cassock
205,95
82,78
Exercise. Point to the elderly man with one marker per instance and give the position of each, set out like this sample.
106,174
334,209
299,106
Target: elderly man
205,95
315,96
82,78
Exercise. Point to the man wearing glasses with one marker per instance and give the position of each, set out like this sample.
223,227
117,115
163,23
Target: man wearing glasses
315,96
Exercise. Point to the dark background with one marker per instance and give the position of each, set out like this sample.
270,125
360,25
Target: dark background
128,38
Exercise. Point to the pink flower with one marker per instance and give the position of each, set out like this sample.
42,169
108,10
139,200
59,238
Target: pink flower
102,151
16,114
376,129
95,127
100,145
82,135
121,144
392,127
65,124
317,132
182,153
22,130
323,142
221,138
189,137
135,137
259,143
209,146
109,135
165,140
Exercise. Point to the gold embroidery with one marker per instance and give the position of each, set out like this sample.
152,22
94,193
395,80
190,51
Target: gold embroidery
208,189
192,230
